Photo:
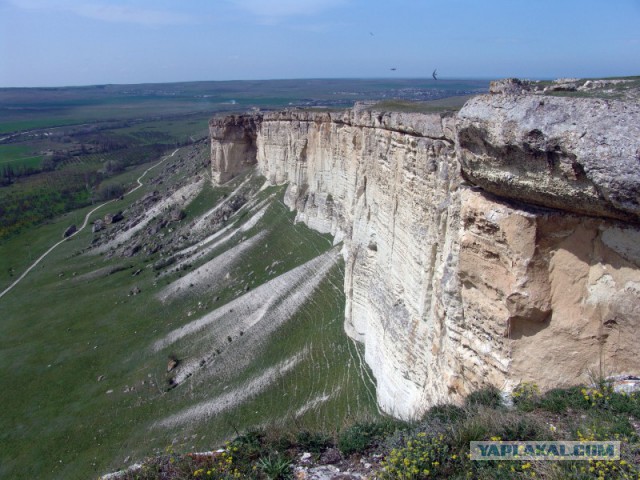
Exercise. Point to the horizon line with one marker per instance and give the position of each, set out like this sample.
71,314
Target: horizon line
427,78
388,78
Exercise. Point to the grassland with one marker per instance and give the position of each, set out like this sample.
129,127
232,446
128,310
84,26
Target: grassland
87,388
449,104
63,147
37,108
614,88
82,167
19,156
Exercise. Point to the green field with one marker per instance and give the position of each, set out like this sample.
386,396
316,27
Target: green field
88,390
19,156
34,108
81,166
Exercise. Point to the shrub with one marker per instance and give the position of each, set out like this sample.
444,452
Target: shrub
525,396
605,426
250,444
625,403
275,467
489,397
522,428
474,428
446,413
361,436
422,457
594,470
356,438
558,400
598,395
313,442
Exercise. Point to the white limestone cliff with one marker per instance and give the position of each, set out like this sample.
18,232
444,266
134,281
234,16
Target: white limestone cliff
457,275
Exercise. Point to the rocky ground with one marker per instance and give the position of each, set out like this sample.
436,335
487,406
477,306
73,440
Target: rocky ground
154,213
438,444
618,88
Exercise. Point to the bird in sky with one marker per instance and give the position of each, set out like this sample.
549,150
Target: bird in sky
393,69
435,72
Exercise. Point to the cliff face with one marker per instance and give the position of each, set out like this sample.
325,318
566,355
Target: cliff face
457,272
233,145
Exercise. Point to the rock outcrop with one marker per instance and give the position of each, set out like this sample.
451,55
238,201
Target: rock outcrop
233,145
496,246
577,155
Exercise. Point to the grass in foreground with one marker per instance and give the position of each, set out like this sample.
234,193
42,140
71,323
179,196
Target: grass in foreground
438,445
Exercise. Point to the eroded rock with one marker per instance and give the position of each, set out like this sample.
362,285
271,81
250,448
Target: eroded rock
497,246
573,154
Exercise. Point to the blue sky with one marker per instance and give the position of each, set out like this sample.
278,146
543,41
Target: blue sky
82,42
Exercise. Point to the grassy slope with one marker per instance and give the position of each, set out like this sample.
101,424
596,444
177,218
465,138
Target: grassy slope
58,335
41,190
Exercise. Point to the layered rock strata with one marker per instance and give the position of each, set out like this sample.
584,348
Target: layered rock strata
496,246
233,146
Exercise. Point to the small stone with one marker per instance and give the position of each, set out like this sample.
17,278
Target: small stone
98,225
172,364
331,456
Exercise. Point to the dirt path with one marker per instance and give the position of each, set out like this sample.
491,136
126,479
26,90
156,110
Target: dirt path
84,224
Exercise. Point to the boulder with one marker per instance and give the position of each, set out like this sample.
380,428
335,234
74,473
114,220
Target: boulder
110,218
70,230
98,226
576,154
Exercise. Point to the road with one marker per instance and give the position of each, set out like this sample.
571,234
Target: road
82,227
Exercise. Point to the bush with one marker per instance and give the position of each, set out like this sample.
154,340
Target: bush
474,428
600,425
250,444
525,396
422,457
275,467
522,428
313,442
558,400
489,397
361,436
356,438
623,403
106,192
446,413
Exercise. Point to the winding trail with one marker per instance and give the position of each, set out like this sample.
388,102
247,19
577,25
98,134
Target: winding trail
84,224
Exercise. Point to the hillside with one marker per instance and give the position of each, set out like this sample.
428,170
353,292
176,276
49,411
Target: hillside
203,311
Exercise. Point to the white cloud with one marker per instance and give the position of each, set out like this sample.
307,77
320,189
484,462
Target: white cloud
277,9
107,12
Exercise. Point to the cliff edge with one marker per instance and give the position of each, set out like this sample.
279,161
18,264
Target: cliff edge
498,245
